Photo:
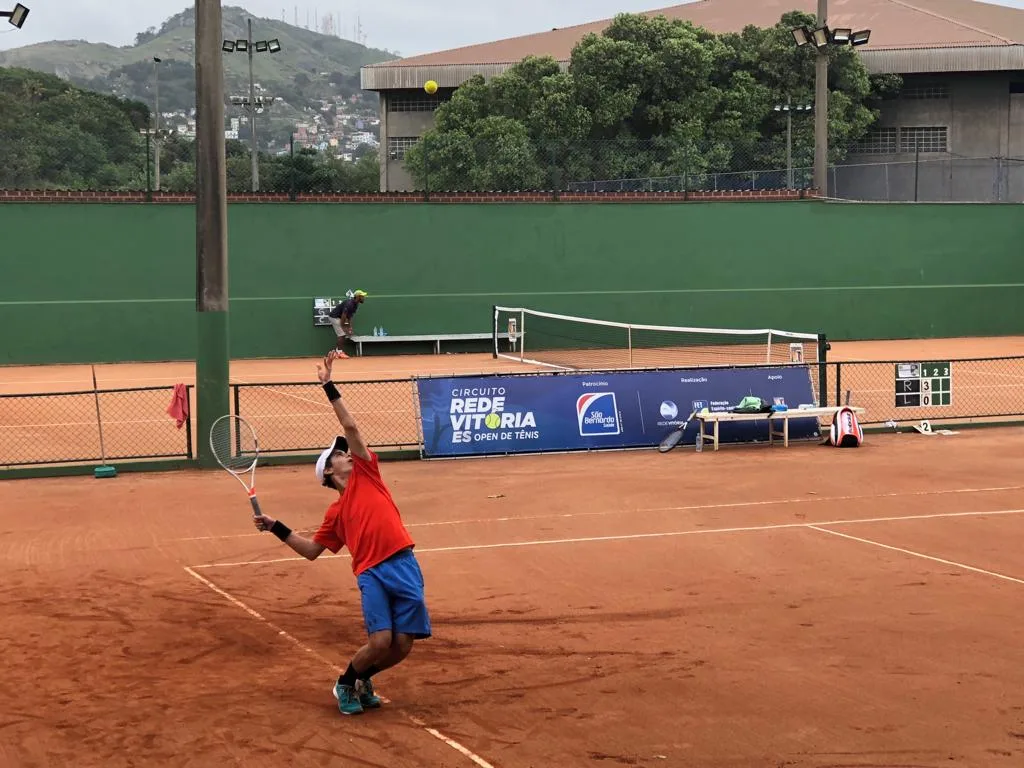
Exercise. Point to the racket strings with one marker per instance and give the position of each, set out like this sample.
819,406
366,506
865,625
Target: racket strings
233,443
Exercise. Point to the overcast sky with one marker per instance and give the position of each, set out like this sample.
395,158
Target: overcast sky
407,26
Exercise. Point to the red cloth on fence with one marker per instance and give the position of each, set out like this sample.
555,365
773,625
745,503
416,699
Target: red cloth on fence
178,409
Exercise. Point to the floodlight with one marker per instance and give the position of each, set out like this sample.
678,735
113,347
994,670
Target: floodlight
821,37
273,45
860,38
778,108
17,16
228,46
261,46
841,36
802,35
242,46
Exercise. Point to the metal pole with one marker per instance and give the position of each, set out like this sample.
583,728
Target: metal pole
789,143
821,109
917,168
212,396
252,119
156,73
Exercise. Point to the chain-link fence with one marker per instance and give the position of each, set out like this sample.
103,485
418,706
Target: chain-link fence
503,163
72,427
134,423
983,389
145,161
295,418
930,178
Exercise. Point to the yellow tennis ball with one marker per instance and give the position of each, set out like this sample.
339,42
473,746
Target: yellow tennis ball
430,87
493,420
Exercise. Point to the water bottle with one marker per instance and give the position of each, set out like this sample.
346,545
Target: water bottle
700,439
376,331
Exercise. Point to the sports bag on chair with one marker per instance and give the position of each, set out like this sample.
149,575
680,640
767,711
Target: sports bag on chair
846,431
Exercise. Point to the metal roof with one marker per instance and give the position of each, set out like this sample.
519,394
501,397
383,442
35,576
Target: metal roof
907,36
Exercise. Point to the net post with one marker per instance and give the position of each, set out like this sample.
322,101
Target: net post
494,330
629,343
823,348
768,352
522,335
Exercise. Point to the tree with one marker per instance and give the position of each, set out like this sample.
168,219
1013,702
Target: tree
58,136
647,98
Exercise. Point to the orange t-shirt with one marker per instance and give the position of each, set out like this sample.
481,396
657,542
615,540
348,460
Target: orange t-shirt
364,518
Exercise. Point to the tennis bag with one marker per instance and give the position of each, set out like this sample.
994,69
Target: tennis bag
846,431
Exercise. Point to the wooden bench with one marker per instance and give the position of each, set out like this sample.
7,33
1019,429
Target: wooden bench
716,418
436,338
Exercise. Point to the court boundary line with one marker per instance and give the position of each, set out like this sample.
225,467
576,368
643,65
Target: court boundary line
472,756
634,536
642,510
921,555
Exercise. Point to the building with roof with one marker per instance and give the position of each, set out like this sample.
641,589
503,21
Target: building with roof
955,132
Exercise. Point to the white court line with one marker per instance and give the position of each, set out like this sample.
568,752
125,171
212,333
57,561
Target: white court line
337,670
636,536
917,554
642,510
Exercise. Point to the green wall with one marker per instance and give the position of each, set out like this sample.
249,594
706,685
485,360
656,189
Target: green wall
113,282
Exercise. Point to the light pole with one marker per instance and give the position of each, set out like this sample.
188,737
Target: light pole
821,100
822,37
789,108
249,47
17,16
156,116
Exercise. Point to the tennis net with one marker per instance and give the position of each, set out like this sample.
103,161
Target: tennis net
577,343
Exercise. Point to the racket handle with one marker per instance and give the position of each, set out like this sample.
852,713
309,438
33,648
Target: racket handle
255,506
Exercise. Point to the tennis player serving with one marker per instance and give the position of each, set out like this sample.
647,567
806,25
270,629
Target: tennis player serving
365,519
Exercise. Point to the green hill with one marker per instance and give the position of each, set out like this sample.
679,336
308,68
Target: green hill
309,68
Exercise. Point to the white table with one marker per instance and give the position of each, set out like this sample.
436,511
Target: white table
773,418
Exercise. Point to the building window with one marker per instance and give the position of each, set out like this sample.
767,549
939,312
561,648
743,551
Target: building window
878,141
399,145
924,139
921,91
418,103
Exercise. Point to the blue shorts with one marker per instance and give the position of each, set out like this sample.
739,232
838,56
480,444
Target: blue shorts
392,594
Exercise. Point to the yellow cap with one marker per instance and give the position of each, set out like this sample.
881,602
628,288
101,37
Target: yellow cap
359,293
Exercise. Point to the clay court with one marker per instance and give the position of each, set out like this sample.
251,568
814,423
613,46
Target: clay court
798,607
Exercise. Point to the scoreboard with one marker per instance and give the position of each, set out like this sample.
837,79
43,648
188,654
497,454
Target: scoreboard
924,385
321,306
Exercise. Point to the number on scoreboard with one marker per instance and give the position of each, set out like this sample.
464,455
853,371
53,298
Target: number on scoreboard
936,384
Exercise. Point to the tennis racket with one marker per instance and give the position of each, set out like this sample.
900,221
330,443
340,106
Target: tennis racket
235,448
672,439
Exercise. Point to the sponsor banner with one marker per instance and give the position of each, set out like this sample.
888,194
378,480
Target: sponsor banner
476,416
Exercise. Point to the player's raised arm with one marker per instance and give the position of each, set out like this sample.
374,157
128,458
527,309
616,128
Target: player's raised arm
356,445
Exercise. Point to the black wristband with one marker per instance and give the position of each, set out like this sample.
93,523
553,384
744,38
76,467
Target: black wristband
280,530
332,391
